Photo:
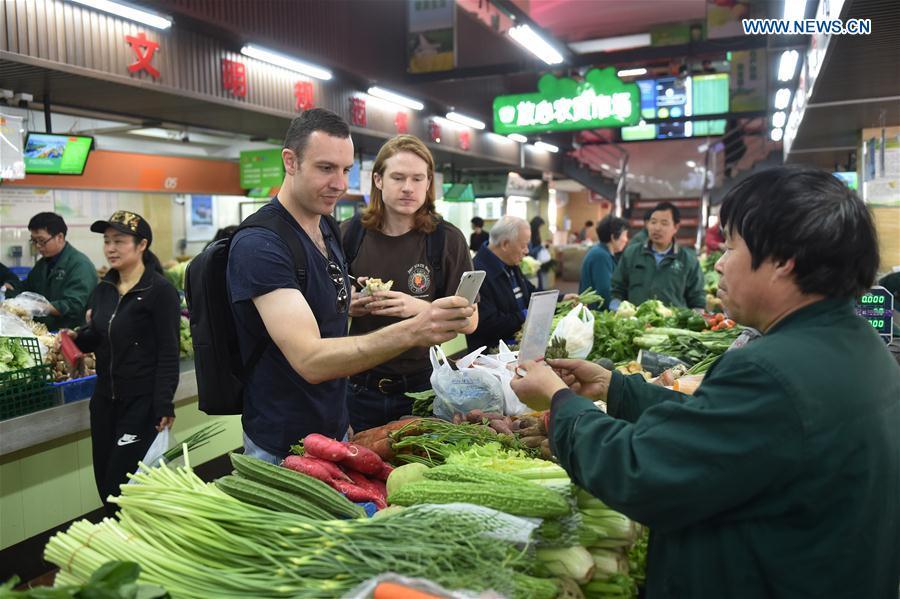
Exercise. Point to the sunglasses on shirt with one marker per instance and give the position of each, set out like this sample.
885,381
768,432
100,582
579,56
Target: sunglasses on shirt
337,277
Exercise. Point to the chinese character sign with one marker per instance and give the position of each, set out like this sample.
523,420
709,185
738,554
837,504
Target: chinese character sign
465,141
401,123
303,96
234,77
434,132
600,100
358,112
144,50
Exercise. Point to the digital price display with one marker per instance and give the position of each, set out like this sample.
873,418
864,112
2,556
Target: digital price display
877,306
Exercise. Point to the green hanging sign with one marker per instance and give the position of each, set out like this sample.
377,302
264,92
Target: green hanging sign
564,104
261,168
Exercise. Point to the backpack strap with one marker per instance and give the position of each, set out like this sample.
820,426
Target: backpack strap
434,250
352,239
275,223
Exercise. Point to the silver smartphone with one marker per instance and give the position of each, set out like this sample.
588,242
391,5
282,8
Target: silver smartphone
469,284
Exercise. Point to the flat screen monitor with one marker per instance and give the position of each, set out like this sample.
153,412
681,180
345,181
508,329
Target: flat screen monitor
50,154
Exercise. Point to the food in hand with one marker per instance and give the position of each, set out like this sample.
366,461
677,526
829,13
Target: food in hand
374,284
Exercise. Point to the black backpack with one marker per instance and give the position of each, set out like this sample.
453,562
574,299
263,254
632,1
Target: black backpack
220,371
434,249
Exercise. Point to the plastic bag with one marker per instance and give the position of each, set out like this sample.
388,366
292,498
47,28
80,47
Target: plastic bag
161,444
13,326
30,304
499,366
462,390
577,328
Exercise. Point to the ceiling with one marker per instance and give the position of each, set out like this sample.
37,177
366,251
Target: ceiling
578,20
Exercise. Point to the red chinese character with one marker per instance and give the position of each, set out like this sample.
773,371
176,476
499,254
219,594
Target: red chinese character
234,77
144,57
358,112
464,141
434,131
401,122
303,95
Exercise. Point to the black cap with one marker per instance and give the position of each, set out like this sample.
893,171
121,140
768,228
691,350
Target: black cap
126,222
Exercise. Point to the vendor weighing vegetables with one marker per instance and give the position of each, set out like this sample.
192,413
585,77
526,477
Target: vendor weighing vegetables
780,477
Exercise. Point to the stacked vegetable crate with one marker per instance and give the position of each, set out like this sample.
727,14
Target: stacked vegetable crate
26,390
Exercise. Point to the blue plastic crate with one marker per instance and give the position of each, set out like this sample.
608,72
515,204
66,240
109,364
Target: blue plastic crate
76,389
20,271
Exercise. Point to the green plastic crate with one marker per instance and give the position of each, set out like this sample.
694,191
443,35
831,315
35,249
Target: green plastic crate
26,390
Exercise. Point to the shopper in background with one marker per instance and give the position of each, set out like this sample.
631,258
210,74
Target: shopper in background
63,275
661,269
505,292
585,232
133,321
479,236
398,223
780,476
540,251
600,261
8,280
299,384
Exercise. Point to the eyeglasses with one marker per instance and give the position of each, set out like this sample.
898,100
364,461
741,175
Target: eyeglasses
40,242
337,277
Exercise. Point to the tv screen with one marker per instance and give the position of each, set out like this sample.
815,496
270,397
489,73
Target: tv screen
49,154
849,178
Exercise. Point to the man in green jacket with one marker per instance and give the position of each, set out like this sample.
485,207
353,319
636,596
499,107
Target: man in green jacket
780,476
660,268
63,275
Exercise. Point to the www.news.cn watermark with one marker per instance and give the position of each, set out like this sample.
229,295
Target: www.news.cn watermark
806,27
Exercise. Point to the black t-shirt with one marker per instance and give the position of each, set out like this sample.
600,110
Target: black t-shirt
404,260
280,406
476,240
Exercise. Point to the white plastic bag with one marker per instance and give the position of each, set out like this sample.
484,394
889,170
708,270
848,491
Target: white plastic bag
30,304
499,367
462,390
577,328
161,444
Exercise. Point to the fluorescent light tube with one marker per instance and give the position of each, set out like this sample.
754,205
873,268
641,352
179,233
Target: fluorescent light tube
632,72
526,37
610,44
405,101
540,145
787,65
128,12
286,62
782,98
465,120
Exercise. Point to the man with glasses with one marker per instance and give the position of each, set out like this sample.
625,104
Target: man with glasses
298,386
63,275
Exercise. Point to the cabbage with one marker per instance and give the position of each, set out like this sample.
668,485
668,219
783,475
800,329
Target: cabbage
626,310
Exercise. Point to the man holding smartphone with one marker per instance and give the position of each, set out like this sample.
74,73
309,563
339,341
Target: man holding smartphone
401,239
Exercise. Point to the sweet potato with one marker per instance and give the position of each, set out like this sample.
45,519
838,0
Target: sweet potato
500,426
331,468
304,465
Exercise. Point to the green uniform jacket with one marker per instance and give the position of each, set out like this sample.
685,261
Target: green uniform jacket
676,281
779,478
67,285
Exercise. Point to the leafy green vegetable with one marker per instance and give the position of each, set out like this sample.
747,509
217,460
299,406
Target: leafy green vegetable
112,580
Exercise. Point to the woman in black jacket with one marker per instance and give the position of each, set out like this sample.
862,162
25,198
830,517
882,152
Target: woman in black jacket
133,326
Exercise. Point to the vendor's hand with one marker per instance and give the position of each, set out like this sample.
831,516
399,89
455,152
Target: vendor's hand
396,304
570,297
69,332
538,386
87,316
584,378
359,304
7,287
441,321
165,422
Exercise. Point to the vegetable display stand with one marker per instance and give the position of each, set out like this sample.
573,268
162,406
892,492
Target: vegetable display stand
75,389
26,390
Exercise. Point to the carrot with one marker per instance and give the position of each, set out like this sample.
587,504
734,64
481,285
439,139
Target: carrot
321,446
393,590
